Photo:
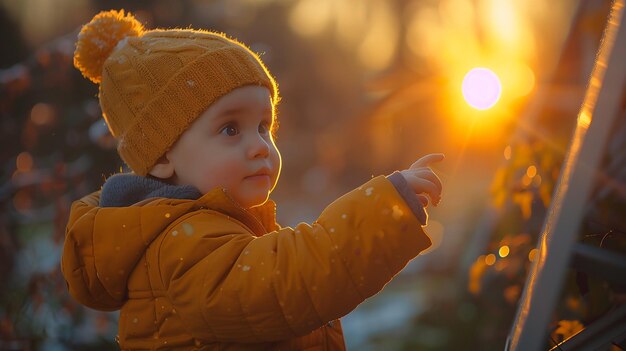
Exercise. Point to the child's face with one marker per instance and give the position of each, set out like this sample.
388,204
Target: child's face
230,145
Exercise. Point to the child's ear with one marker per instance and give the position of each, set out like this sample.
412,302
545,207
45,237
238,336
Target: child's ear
163,169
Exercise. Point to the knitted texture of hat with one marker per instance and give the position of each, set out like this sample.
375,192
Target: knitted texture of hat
155,83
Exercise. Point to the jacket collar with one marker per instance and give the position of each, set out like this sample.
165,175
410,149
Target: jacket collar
127,189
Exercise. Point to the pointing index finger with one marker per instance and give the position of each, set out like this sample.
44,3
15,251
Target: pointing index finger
428,159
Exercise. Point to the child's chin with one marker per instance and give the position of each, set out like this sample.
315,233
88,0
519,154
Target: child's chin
257,201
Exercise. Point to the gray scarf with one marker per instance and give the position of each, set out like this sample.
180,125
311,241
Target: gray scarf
125,189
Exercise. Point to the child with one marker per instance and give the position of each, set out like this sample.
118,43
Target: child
187,245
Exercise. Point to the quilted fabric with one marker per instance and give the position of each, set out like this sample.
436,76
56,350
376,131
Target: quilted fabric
206,274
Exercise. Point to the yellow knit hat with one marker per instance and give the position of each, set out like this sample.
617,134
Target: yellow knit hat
154,83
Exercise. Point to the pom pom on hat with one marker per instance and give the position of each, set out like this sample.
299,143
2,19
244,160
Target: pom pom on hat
98,38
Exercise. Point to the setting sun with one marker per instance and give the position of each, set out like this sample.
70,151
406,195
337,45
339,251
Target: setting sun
481,88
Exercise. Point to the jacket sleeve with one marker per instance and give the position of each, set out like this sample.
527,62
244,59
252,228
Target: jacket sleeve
229,285
78,264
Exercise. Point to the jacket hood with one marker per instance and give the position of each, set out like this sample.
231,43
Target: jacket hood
109,231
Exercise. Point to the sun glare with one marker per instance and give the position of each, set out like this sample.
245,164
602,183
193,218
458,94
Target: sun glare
481,88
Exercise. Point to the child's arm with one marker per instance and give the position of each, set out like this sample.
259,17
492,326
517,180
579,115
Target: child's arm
292,281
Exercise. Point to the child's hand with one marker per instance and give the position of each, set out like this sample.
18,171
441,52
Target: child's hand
423,180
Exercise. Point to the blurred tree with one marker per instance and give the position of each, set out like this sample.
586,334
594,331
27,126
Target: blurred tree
13,48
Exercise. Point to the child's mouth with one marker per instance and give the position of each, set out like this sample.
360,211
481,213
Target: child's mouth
259,177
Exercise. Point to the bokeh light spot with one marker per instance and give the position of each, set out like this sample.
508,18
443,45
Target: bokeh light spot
24,162
481,88
504,251
42,114
507,153
490,259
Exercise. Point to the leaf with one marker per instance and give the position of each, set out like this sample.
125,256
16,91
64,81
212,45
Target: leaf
475,275
524,200
566,329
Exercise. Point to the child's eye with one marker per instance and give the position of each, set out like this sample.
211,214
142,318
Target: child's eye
230,130
264,128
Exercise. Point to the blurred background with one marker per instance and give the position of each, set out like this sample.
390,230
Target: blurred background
367,87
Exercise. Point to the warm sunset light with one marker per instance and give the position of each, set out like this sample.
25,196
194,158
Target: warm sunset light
481,88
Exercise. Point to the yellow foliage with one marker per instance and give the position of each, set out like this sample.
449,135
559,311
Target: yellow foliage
498,188
567,329
573,303
512,294
524,200
475,275
545,192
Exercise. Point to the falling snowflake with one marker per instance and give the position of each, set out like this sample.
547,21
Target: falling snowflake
188,229
397,212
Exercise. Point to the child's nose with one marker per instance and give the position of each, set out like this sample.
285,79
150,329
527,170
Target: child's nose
259,148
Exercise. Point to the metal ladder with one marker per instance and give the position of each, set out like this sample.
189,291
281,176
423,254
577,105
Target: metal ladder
558,249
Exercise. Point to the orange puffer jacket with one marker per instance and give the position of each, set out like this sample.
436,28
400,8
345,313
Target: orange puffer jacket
206,274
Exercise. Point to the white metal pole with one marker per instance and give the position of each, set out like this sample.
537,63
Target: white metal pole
560,231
